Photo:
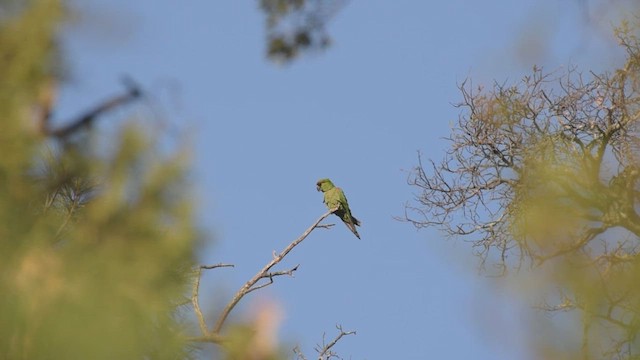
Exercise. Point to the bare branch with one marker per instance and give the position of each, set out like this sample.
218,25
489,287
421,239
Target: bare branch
270,276
586,237
299,354
263,273
133,93
546,172
195,295
325,352
215,266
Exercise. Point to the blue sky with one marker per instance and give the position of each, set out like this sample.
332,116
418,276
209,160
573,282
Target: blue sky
358,113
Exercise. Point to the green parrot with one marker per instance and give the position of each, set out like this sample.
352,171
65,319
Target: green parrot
334,197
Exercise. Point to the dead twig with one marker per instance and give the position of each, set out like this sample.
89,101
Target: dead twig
215,266
271,275
299,354
325,352
249,286
195,295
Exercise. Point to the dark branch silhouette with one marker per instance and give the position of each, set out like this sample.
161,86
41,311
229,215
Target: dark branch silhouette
132,93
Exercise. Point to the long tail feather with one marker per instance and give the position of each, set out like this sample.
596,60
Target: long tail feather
353,230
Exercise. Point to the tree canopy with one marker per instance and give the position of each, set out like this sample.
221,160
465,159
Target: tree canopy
543,174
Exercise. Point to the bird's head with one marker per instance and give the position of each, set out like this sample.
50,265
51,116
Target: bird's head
324,185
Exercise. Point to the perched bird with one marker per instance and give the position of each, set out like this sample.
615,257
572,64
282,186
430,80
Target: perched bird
334,198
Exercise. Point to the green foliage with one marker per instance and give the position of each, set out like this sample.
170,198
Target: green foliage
96,243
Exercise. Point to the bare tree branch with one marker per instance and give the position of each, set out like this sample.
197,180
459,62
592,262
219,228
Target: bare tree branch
264,273
195,296
215,266
299,354
270,276
324,350
546,172
132,93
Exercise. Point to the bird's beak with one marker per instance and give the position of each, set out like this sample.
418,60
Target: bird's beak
318,188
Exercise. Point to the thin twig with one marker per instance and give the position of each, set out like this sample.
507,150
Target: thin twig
326,350
196,303
271,275
299,353
215,266
246,288
195,296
